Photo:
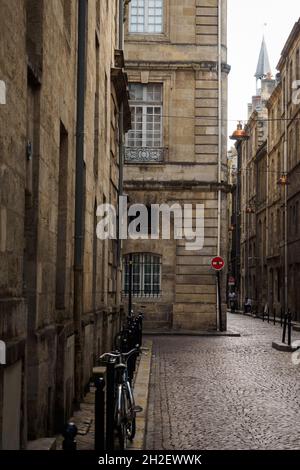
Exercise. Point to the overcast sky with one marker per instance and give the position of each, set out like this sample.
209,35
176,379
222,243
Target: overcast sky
246,21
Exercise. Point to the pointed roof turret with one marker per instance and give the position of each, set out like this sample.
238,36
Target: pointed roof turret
263,66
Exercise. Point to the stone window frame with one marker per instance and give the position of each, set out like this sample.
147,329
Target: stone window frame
167,81
151,37
145,104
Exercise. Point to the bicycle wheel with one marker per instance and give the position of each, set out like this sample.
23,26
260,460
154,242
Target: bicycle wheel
121,419
126,418
131,415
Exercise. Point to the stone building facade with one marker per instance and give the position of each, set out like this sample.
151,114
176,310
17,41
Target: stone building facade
285,142
176,153
253,202
61,139
270,190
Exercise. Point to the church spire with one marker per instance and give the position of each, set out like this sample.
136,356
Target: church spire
263,67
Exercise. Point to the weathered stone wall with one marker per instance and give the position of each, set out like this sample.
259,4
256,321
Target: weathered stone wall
38,63
13,310
184,59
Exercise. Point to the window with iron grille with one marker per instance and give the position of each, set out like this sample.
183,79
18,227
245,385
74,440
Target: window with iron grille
146,275
146,16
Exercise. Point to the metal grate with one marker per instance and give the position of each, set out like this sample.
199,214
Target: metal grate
145,275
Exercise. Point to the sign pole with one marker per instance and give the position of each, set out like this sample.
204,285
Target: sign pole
218,264
219,301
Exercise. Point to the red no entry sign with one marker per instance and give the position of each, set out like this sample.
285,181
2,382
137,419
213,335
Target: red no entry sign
217,263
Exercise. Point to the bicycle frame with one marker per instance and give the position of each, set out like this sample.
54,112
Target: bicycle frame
125,410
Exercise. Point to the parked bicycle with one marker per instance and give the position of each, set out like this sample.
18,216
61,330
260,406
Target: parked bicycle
125,409
128,338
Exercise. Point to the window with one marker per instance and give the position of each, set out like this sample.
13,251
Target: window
146,16
146,109
146,274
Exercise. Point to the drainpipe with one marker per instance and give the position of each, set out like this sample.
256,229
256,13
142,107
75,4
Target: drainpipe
267,233
285,91
220,122
121,139
121,112
79,196
219,307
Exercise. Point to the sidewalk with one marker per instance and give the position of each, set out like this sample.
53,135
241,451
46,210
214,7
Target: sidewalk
84,418
295,325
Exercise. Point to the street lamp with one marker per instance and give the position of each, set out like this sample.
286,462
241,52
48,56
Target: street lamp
239,135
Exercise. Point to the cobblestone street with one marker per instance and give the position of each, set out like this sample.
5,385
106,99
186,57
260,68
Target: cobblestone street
224,393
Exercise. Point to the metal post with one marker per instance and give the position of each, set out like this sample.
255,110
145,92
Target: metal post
268,314
69,433
281,317
110,405
237,222
99,413
219,301
130,285
274,312
289,328
284,328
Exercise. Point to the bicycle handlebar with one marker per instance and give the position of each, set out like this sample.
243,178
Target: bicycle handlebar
118,355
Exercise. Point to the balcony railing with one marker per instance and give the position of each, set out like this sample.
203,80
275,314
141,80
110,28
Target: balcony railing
144,154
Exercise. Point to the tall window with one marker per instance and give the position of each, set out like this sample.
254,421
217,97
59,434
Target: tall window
146,274
146,108
146,16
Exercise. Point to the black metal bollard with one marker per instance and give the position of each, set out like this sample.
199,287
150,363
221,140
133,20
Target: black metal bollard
284,327
274,314
99,413
69,434
289,328
268,315
110,405
140,329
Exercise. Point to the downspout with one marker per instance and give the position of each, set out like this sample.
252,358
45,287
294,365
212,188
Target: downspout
219,144
121,113
267,299
286,192
79,196
220,122
121,154
238,221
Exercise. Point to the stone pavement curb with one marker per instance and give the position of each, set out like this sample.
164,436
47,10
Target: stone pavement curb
232,334
279,346
84,418
141,394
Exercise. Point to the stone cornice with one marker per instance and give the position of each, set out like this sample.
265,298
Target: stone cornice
155,185
207,66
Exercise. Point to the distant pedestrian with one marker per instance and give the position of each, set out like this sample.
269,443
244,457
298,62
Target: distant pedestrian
247,305
232,301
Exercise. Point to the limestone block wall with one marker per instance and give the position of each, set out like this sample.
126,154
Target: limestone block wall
38,63
184,59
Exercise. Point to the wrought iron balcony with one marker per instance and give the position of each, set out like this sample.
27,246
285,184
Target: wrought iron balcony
144,154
